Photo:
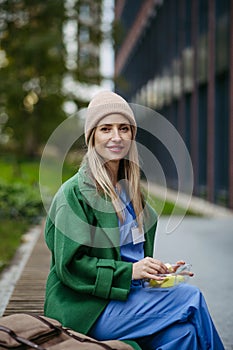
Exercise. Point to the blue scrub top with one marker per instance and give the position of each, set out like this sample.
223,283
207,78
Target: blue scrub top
129,251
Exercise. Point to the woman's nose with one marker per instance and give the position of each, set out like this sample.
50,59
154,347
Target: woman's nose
116,135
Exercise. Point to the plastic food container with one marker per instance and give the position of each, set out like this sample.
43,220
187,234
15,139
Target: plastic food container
178,275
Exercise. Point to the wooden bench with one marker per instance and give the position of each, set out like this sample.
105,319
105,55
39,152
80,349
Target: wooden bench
28,295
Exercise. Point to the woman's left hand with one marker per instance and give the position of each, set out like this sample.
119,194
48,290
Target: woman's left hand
148,268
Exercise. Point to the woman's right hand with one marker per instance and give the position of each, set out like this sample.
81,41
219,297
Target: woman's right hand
148,268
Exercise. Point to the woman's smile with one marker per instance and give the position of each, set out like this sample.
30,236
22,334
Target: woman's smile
115,149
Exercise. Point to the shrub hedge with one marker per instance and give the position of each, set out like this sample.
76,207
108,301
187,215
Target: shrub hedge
18,200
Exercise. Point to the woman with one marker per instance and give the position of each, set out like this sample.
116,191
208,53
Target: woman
101,235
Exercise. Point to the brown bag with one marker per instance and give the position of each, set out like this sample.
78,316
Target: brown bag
25,331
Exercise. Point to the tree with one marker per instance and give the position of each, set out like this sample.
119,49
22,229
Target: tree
34,65
31,70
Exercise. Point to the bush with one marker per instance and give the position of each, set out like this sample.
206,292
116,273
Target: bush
11,234
20,201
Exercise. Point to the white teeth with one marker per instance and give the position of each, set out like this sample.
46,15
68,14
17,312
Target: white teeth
116,148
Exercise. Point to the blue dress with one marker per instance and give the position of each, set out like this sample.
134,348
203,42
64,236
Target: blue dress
174,318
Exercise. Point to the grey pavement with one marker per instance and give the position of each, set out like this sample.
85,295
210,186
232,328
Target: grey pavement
206,243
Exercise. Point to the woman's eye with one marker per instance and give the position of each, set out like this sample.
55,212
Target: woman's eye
125,128
105,129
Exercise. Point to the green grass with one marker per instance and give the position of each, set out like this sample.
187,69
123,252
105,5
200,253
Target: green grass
19,172
50,177
167,207
25,172
10,234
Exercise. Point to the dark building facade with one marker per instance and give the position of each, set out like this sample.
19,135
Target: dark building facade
176,57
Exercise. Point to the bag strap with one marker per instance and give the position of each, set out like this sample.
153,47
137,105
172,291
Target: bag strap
87,340
70,334
19,339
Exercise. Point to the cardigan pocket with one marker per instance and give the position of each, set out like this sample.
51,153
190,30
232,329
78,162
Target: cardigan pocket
105,271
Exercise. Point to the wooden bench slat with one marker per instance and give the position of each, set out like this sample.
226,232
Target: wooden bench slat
28,295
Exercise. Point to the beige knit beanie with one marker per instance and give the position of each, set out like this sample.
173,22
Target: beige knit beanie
103,104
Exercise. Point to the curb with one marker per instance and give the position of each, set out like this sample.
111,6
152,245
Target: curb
196,204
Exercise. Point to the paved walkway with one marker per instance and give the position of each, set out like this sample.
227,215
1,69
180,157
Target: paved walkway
206,244
28,294
12,274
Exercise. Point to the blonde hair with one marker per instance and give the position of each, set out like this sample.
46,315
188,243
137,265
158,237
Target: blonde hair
129,170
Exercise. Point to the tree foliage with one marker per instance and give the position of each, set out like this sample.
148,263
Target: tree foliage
32,63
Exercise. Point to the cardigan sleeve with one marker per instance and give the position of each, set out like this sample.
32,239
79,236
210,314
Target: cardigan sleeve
79,265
